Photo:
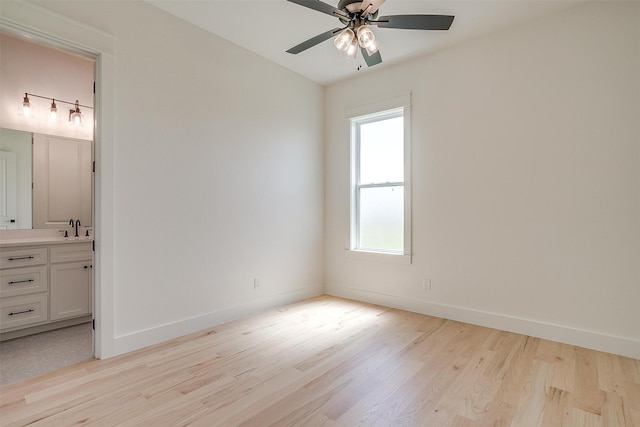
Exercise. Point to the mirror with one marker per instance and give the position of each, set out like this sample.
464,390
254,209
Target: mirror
44,180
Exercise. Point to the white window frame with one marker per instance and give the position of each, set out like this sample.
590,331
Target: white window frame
400,106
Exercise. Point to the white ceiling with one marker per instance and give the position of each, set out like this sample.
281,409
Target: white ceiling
270,27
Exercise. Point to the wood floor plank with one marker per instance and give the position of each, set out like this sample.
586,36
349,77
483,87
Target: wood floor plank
329,361
579,417
458,395
533,396
587,395
556,403
481,392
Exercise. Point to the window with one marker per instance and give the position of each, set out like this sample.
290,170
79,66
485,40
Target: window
380,208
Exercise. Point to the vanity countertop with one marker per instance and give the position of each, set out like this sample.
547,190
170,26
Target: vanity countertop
12,238
34,241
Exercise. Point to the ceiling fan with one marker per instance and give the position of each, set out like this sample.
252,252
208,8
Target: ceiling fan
357,16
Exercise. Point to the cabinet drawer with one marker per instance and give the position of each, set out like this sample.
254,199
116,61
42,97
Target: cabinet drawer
21,281
71,252
23,257
23,311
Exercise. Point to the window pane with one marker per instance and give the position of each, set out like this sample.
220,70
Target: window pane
382,218
382,151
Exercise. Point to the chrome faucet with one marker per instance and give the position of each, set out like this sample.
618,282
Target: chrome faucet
77,225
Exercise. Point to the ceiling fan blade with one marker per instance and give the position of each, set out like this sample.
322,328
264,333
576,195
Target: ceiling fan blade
371,60
415,22
375,5
321,7
314,41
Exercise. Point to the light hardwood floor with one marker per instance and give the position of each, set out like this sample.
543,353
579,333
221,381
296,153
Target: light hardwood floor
330,361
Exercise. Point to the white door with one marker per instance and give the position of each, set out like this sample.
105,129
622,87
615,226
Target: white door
62,173
8,191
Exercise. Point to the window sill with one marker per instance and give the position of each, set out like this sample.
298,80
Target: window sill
384,257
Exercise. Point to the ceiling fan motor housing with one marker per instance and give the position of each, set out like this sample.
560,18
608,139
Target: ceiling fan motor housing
351,7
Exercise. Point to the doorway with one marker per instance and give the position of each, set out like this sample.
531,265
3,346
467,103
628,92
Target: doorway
53,29
47,69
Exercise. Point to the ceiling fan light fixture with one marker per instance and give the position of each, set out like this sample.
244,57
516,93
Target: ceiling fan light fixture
366,38
344,40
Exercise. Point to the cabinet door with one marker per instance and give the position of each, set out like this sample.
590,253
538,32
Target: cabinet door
70,290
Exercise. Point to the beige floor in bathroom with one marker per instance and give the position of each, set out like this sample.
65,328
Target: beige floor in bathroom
34,355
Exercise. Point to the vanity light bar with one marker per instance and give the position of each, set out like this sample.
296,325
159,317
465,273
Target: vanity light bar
75,116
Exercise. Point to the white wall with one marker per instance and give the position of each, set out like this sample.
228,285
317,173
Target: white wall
526,180
217,176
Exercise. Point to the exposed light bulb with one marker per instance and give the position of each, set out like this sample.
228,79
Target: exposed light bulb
344,39
26,106
75,116
372,48
351,50
53,112
366,38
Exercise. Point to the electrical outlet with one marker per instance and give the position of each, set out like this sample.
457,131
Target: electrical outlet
256,284
426,284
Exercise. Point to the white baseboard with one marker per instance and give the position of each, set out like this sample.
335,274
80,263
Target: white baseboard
147,337
578,337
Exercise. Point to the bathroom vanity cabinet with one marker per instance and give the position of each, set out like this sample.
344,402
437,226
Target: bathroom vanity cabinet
44,286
